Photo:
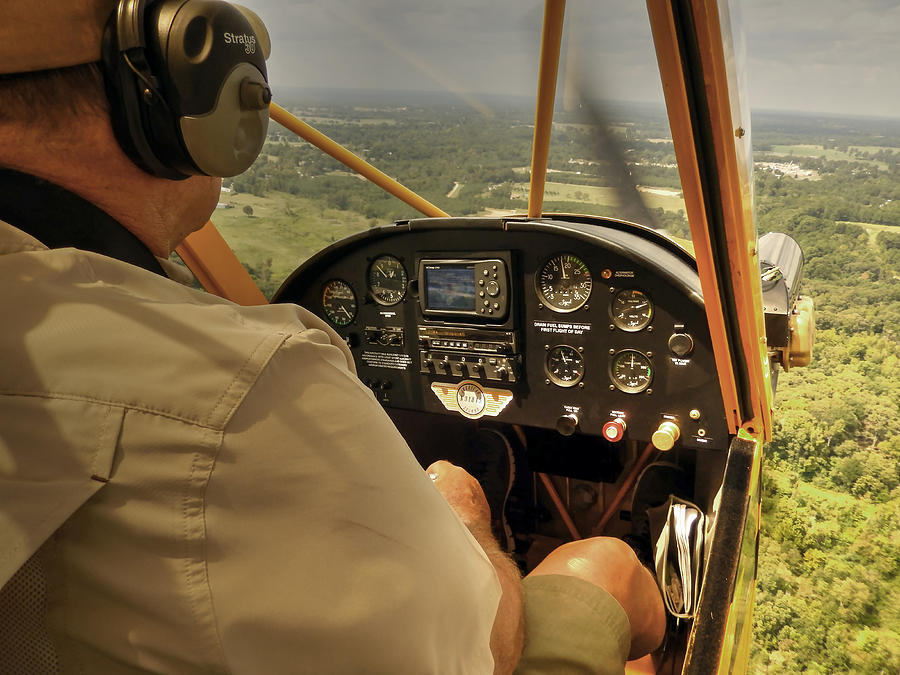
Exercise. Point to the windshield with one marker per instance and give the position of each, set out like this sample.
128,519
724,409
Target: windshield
442,97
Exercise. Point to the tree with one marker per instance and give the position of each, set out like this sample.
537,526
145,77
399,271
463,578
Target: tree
248,210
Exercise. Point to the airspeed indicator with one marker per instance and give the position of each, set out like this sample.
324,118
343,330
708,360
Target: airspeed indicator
564,283
339,302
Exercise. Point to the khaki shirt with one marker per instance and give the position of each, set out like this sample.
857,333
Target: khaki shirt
212,489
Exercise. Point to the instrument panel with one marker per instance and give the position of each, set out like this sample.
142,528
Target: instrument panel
584,325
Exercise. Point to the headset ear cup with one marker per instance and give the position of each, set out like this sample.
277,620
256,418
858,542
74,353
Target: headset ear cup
226,141
129,102
212,47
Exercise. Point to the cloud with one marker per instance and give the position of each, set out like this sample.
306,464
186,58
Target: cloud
838,57
820,55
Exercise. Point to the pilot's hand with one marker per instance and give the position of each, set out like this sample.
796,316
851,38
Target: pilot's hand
463,493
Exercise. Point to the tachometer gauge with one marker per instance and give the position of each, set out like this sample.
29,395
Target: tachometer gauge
631,371
564,366
339,302
631,310
387,280
564,283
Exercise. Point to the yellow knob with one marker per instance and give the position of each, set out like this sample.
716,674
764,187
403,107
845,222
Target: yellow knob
665,436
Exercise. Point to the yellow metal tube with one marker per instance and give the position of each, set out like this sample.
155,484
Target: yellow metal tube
675,91
351,161
713,27
217,268
551,39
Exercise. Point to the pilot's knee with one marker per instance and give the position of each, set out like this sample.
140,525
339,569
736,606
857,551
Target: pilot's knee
609,563
604,561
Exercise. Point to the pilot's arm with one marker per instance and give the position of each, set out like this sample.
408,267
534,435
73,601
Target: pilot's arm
329,549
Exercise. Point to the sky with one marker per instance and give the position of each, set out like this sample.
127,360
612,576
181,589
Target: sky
819,56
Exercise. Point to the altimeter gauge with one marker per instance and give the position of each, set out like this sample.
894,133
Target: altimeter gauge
631,310
339,302
564,283
630,371
564,366
387,280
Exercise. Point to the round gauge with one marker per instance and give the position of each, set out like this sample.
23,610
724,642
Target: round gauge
564,283
387,280
339,302
631,371
564,366
631,310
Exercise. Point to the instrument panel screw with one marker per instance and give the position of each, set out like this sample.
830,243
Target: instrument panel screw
612,387
612,351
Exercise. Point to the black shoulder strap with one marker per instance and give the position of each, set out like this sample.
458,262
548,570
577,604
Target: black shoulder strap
59,219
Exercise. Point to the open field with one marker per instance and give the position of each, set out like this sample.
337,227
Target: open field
871,228
559,173
283,228
875,148
360,121
605,196
804,150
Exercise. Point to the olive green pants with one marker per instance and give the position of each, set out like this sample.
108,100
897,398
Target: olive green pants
572,626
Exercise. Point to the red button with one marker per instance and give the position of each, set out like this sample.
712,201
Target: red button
614,430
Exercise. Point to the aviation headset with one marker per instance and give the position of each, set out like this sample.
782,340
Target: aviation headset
186,82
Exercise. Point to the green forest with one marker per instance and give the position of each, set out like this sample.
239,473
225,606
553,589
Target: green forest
828,593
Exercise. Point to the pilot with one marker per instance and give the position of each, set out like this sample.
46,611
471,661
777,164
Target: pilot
193,486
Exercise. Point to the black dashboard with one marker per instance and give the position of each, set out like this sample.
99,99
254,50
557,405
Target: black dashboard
586,326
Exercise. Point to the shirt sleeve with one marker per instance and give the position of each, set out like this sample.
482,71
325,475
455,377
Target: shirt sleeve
329,550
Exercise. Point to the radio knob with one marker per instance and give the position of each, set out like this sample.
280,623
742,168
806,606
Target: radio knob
493,288
567,424
665,436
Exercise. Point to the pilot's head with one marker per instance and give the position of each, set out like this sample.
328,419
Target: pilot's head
184,80
177,86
